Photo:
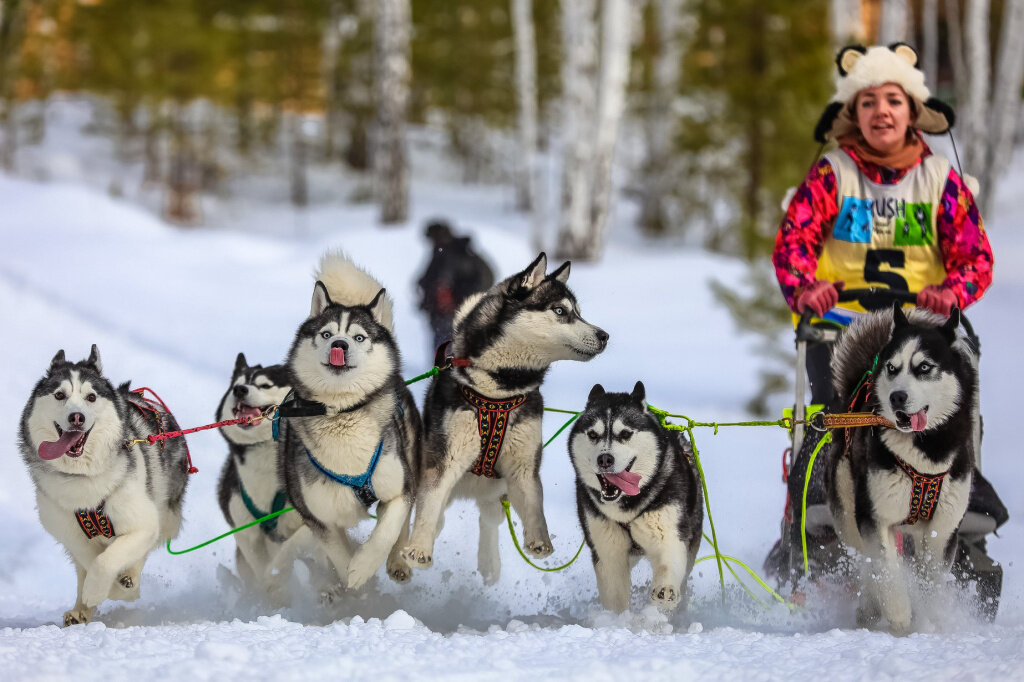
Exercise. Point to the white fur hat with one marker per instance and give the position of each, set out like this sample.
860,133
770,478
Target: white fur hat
861,67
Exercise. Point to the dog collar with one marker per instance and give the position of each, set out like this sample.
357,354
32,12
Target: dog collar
445,360
492,421
95,522
924,494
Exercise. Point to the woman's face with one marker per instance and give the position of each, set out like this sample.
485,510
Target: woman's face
883,116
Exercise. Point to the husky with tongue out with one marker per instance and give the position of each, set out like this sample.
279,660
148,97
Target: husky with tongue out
108,504
637,493
350,433
913,480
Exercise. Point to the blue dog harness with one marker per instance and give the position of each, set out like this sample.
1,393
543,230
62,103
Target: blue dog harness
361,485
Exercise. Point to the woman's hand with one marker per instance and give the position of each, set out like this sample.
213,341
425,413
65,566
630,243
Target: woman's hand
819,297
938,299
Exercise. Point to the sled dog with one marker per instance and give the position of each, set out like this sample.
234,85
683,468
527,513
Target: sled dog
350,434
637,493
482,418
250,485
107,503
913,479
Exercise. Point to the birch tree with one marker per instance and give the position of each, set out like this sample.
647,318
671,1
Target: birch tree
526,100
974,109
844,22
930,39
894,22
1006,98
391,35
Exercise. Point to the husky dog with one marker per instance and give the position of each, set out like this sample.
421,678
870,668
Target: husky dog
637,492
483,417
109,504
354,432
250,485
914,479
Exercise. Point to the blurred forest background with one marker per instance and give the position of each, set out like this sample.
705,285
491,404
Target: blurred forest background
696,113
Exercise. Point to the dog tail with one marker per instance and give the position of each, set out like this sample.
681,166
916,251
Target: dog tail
350,285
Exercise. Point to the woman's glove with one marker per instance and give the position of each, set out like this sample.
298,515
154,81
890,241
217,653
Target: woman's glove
819,297
937,298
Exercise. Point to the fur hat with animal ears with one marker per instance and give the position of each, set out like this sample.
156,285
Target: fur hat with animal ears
867,67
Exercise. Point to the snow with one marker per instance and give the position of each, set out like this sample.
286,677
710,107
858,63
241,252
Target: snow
171,307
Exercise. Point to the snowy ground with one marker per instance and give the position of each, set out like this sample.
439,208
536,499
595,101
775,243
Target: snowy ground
170,309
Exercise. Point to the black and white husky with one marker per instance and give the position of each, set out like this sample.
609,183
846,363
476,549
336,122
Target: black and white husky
354,432
250,485
637,493
109,504
483,417
912,481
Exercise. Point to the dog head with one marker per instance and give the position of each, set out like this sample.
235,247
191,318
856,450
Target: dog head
616,445
528,320
74,422
917,385
253,389
342,353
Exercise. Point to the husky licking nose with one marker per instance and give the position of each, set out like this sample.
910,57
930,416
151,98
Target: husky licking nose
637,493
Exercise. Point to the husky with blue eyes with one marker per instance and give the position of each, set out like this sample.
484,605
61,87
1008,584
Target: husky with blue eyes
901,491
350,432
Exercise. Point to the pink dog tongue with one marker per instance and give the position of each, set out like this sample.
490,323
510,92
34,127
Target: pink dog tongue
55,449
338,357
626,481
249,412
918,420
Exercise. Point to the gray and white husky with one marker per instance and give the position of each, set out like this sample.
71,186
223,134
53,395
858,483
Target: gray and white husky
250,484
109,504
637,493
914,479
483,417
360,439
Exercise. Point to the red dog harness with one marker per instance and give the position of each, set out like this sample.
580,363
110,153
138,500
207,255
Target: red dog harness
492,420
95,522
924,494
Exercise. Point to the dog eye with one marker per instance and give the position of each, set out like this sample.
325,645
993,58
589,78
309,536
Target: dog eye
60,395
924,367
359,338
264,387
625,435
559,310
325,335
593,435
91,397
891,368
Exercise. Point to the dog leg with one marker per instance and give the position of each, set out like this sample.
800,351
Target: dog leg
126,550
80,614
372,554
397,568
611,544
435,492
886,572
339,552
527,498
656,533
488,559
253,548
279,566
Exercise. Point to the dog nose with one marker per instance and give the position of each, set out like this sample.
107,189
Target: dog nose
602,336
898,399
240,391
76,419
605,461
340,343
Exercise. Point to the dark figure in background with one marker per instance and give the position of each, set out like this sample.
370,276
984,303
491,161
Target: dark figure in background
454,273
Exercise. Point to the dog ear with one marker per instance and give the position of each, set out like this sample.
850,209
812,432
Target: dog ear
240,365
57,360
94,359
639,393
321,299
596,392
899,319
377,305
949,328
562,273
533,274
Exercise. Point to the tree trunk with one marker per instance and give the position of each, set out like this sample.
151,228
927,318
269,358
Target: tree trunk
974,111
299,187
526,99
893,24
954,28
930,41
10,38
152,173
611,103
332,81
182,206
1006,100
578,104
391,34
845,22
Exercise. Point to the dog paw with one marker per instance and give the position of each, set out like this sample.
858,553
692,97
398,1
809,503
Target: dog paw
665,595
77,617
358,575
126,582
540,548
868,617
328,596
417,558
399,571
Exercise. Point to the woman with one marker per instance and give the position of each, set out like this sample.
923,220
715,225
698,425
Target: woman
882,210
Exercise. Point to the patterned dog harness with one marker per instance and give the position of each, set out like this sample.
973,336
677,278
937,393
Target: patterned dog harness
924,494
492,420
361,485
270,525
94,522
